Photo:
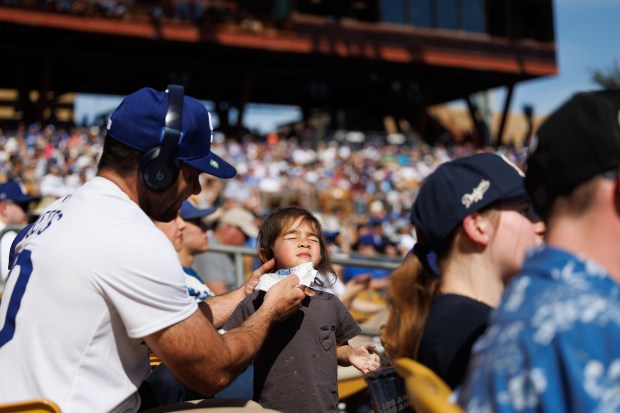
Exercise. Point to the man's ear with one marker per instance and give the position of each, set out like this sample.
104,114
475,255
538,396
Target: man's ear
478,228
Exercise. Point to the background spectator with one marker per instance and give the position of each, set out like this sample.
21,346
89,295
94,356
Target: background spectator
233,227
474,216
15,207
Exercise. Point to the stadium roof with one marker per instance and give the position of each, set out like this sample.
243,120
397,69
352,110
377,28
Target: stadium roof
371,69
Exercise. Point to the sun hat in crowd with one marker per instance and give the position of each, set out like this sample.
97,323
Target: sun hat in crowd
578,141
190,211
13,191
140,118
242,219
460,187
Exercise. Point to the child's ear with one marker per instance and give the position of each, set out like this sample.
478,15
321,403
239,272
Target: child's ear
265,255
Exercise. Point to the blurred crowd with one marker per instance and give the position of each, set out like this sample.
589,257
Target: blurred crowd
250,15
360,190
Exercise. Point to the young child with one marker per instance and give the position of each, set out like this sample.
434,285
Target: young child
296,368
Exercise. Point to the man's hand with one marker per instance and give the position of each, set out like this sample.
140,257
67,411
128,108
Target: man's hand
255,277
284,298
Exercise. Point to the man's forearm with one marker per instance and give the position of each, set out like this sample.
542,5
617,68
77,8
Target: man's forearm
220,307
250,335
207,361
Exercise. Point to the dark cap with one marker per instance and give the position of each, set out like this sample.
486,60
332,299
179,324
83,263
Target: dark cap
460,187
139,120
13,191
578,141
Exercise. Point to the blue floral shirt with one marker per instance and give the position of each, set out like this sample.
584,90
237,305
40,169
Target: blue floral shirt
553,345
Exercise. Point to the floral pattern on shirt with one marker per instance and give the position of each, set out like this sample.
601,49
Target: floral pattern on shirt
553,345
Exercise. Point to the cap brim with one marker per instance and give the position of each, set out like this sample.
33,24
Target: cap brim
197,213
249,230
213,165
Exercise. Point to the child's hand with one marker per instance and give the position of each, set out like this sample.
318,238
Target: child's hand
364,359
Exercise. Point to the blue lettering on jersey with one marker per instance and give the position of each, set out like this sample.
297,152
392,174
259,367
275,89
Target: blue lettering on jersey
44,222
46,219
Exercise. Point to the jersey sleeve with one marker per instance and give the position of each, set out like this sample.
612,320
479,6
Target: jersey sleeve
141,277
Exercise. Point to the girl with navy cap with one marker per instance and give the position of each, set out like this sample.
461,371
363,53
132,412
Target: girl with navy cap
474,224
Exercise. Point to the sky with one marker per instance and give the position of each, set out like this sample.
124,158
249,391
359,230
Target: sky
586,33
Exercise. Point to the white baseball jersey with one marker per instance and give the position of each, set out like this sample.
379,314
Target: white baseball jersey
93,277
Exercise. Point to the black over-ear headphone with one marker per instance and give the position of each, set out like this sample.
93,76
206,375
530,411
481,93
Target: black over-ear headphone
159,167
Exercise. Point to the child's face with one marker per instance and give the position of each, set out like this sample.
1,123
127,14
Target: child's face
296,245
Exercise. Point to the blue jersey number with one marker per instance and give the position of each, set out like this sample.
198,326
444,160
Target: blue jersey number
25,264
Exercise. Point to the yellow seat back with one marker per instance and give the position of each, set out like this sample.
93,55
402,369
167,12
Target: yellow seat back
427,392
31,406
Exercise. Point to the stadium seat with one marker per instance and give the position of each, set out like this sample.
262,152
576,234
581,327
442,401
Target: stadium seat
31,406
427,392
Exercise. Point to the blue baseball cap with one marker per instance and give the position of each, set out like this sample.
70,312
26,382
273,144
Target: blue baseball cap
189,211
13,191
460,187
139,120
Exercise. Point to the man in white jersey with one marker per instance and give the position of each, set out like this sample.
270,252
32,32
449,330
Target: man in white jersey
95,284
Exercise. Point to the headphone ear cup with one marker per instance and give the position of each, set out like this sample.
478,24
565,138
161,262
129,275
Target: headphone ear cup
156,172
159,166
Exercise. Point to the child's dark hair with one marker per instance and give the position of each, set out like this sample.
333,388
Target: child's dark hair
280,220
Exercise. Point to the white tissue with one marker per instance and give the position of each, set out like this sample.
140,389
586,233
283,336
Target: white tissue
305,272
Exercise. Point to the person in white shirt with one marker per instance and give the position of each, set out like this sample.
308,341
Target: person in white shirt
96,285
15,206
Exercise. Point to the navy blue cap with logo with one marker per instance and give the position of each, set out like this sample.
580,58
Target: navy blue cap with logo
13,191
140,118
460,187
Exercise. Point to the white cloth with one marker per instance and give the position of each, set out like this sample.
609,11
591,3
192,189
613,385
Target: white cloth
102,277
337,288
305,272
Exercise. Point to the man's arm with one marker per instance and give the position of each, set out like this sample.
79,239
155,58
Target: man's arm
207,361
220,307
